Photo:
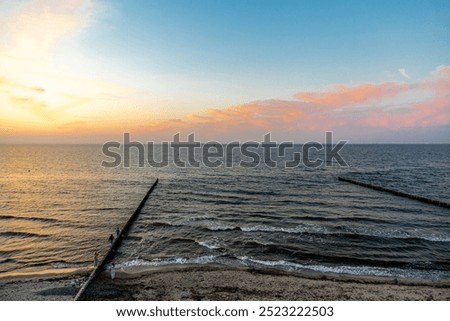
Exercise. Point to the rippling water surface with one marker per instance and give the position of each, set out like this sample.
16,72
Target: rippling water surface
58,205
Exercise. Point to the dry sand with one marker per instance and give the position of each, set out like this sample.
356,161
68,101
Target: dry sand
212,282
41,288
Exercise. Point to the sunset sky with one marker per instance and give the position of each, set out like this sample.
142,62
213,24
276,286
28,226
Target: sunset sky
82,71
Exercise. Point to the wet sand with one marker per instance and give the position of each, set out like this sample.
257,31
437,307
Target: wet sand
222,283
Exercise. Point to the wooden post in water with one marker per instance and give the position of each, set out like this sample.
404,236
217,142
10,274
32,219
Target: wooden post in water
398,193
116,243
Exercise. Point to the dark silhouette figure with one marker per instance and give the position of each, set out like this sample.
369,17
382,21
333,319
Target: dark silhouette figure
111,239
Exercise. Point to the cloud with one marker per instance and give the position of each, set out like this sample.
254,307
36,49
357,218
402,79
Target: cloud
357,109
343,96
29,82
32,34
33,87
4,82
402,72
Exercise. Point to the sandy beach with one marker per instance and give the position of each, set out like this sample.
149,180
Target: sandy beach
214,282
42,287
221,283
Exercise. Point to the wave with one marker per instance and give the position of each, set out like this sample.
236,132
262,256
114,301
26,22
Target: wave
395,234
210,225
167,261
65,265
347,269
259,243
21,234
165,224
304,228
134,238
8,261
223,228
255,192
290,266
96,209
216,196
36,219
4,252
211,244
199,218
314,229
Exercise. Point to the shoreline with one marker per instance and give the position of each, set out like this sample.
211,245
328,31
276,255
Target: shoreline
218,282
224,283
42,287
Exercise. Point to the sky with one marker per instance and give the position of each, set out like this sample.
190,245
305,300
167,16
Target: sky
83,71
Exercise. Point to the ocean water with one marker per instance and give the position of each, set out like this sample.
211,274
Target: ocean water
58,205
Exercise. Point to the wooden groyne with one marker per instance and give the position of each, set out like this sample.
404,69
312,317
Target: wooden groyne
398,193
116,243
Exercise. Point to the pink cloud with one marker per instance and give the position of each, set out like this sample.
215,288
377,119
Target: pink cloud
433,111
341,95
388,106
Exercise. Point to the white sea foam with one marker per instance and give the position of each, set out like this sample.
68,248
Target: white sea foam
221,227
168,261
363,231
211,244
289,266
65,265
302,228
343,269
398,234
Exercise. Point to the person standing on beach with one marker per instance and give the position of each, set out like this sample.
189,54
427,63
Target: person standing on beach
111,239
95,258
117,232
113,271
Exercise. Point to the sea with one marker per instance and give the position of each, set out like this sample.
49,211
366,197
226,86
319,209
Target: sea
58,205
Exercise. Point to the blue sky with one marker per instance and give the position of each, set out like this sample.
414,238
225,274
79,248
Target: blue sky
276,45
